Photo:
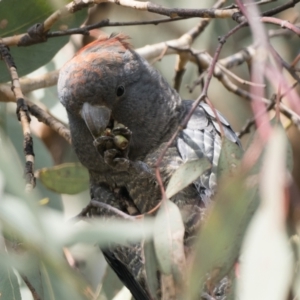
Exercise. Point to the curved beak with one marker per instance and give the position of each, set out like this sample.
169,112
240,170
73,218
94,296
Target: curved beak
96,118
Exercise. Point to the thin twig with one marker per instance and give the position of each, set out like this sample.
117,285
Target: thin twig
34,293
38,33
210,72
240,80
29,84
23,116
284,64
251,122
107,23
174,12
286,111
295,61
270,105
280,8
181,58
49,120
198,81
282,23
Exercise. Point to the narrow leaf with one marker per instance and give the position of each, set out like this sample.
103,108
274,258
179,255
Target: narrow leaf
151,266
186,174
33,276
289,151
229,159
274,252
218,243
69,178
168,240
62,283
9,287
111,285
105,232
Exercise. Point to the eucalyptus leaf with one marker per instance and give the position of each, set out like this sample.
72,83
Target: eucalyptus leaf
151,266
34,276
296,284
11,168
219,240
275,123
186,174
168,240
17,218
235,203
68,178
9,286
274,280
60,282
229,159
42,159
289,151
107,232
110,285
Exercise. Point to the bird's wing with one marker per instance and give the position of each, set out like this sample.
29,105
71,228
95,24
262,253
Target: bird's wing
125,260
126,263
202,138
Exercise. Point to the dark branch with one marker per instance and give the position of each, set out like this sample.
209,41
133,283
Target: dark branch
23,116
106,23
280,8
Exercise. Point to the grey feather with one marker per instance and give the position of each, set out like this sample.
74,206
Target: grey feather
202,138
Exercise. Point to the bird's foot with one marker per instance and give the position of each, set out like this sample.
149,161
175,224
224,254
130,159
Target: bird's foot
103,143
118,139
115,159
121,130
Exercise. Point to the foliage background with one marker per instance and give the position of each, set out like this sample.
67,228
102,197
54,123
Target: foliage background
26,226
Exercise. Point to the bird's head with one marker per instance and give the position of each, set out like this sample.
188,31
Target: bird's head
108,80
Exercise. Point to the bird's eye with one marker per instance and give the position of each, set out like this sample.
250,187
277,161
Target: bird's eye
120,90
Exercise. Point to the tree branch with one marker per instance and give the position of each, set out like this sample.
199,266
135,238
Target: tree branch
23,116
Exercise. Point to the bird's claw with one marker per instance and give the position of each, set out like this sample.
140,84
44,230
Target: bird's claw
124,131
115,143
103,143
113,159
118,138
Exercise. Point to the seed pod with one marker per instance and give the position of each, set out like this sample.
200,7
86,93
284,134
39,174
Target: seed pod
121,142
107,132
118,125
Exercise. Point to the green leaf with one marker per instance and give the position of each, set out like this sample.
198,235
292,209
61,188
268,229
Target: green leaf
151,266
21,220
103,233
230,157
19,18
269,221
111,285
186,174
289,151
219,241
34,276
68,178
168,240
11,169
60,282
9,287
42,159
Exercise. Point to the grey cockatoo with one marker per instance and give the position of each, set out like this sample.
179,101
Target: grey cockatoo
108,83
